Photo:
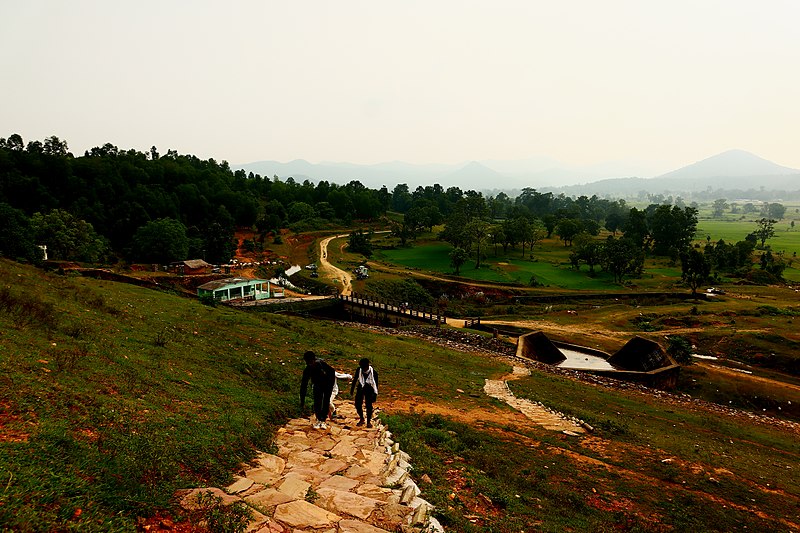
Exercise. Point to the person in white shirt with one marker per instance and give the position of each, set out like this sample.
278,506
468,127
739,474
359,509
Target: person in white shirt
365,383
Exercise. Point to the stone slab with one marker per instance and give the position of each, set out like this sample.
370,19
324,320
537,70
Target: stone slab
294,486
271,463
348,503
262,476
332,466
354,526
267,499
301,514
339,483
240,485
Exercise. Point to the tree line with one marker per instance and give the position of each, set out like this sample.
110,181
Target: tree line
111,204
150,207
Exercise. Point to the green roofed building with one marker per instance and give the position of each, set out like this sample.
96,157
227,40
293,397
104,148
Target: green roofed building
235,289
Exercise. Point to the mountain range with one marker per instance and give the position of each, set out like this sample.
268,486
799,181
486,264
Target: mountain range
730,170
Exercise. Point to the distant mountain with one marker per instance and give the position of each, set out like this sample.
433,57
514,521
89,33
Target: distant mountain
736,171
474,172
733,163
478,175
731,170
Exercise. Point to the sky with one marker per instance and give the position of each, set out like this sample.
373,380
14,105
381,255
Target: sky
660,83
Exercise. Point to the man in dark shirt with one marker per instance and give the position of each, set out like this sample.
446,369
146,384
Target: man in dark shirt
365,383
322,377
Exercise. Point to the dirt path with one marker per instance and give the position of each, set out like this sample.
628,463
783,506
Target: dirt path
537,413
330,271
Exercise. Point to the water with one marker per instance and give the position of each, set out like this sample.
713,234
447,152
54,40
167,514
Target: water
583,361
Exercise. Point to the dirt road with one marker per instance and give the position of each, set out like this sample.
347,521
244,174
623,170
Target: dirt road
331,272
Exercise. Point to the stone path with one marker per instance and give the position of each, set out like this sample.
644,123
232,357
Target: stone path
538,413
340,480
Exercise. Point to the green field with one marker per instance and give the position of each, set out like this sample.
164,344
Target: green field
553,272
786,240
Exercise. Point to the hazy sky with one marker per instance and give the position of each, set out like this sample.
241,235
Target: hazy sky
665,82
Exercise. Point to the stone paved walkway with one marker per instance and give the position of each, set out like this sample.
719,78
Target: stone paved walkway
538,413
343,479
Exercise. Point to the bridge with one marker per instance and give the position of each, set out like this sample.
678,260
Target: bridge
385,310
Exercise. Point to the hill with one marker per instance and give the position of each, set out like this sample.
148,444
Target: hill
728,171
114,396
731,164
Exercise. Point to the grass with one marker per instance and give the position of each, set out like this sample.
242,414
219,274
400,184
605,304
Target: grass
113,396
554,272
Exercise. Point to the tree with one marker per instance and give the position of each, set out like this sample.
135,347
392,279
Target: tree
359,243
672,229
458,256
298,211
567,229
718,207
16,239
160,241
535,233
67,237
219,237
765,230
680,348
774,211
588,250
636,230
772,264
621,258
695,268
478,231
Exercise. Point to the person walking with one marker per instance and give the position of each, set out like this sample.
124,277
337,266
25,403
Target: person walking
323,378
365,383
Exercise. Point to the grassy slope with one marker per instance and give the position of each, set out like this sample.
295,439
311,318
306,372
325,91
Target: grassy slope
112,396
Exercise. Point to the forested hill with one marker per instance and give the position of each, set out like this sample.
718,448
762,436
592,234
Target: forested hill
118,192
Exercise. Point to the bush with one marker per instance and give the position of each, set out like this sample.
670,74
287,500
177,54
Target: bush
680,349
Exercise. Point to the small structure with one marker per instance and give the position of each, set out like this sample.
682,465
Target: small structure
361,272
224,290
640,360
190,267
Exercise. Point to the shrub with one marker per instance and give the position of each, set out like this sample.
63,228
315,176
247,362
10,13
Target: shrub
680,349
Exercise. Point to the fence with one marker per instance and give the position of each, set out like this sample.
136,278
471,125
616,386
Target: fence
382,304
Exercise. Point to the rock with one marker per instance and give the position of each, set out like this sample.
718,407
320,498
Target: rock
306,458
426,479
332,466
374,491
339,483
407,494
396,477
348,503
272,527
354,526
391,516
257,520
267,499
262,476
301,514
294,486
421,515
344,449
357,471
271,463
313,475
240,485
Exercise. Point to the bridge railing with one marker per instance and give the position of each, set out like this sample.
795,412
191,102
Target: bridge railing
383,304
